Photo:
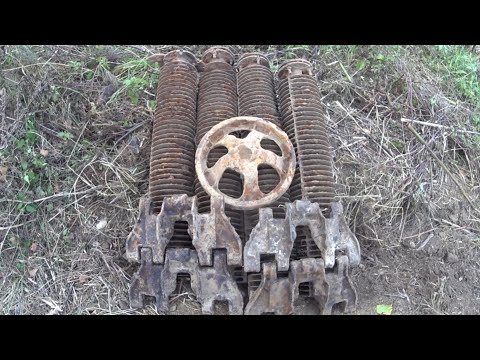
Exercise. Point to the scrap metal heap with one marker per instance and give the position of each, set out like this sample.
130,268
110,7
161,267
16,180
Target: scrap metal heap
241,194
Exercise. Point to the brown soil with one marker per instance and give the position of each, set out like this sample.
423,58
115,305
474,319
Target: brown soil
441,278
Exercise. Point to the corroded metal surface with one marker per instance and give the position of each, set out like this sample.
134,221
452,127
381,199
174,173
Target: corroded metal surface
209,284
214,231
294,251
276,236
218,101
304,122
256,97
209,231
273,296
245,156
340,289
173,135
146,281
278,295
270,236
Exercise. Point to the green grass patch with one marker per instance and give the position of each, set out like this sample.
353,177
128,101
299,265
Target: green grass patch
136,75
461,66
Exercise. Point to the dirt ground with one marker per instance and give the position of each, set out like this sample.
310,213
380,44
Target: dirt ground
75,126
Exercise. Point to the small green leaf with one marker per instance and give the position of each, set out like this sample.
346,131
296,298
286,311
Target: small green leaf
384,309
24,165
65,135
88,75
75,64
39,163
30,208
134,99
31,175
152,104
50,207
361,65
20,144
55,96
30,123
31,136
381,57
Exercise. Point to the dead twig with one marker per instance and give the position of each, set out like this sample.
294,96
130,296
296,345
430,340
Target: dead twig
417,235
464,228
424,243
69,193
438,126
15,226
129,131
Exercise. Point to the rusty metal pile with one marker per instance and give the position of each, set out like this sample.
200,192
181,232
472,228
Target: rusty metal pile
241,194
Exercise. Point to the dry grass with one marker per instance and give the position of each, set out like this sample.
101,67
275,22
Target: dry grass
64,254
393,179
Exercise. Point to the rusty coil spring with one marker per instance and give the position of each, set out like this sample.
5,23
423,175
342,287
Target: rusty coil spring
304,122
256,97
217,101
172,161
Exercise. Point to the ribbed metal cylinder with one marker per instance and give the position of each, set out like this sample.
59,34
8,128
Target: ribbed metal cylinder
218,101
304,122
172,160
256,97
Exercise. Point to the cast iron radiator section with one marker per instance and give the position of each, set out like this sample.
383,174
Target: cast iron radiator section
235,216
